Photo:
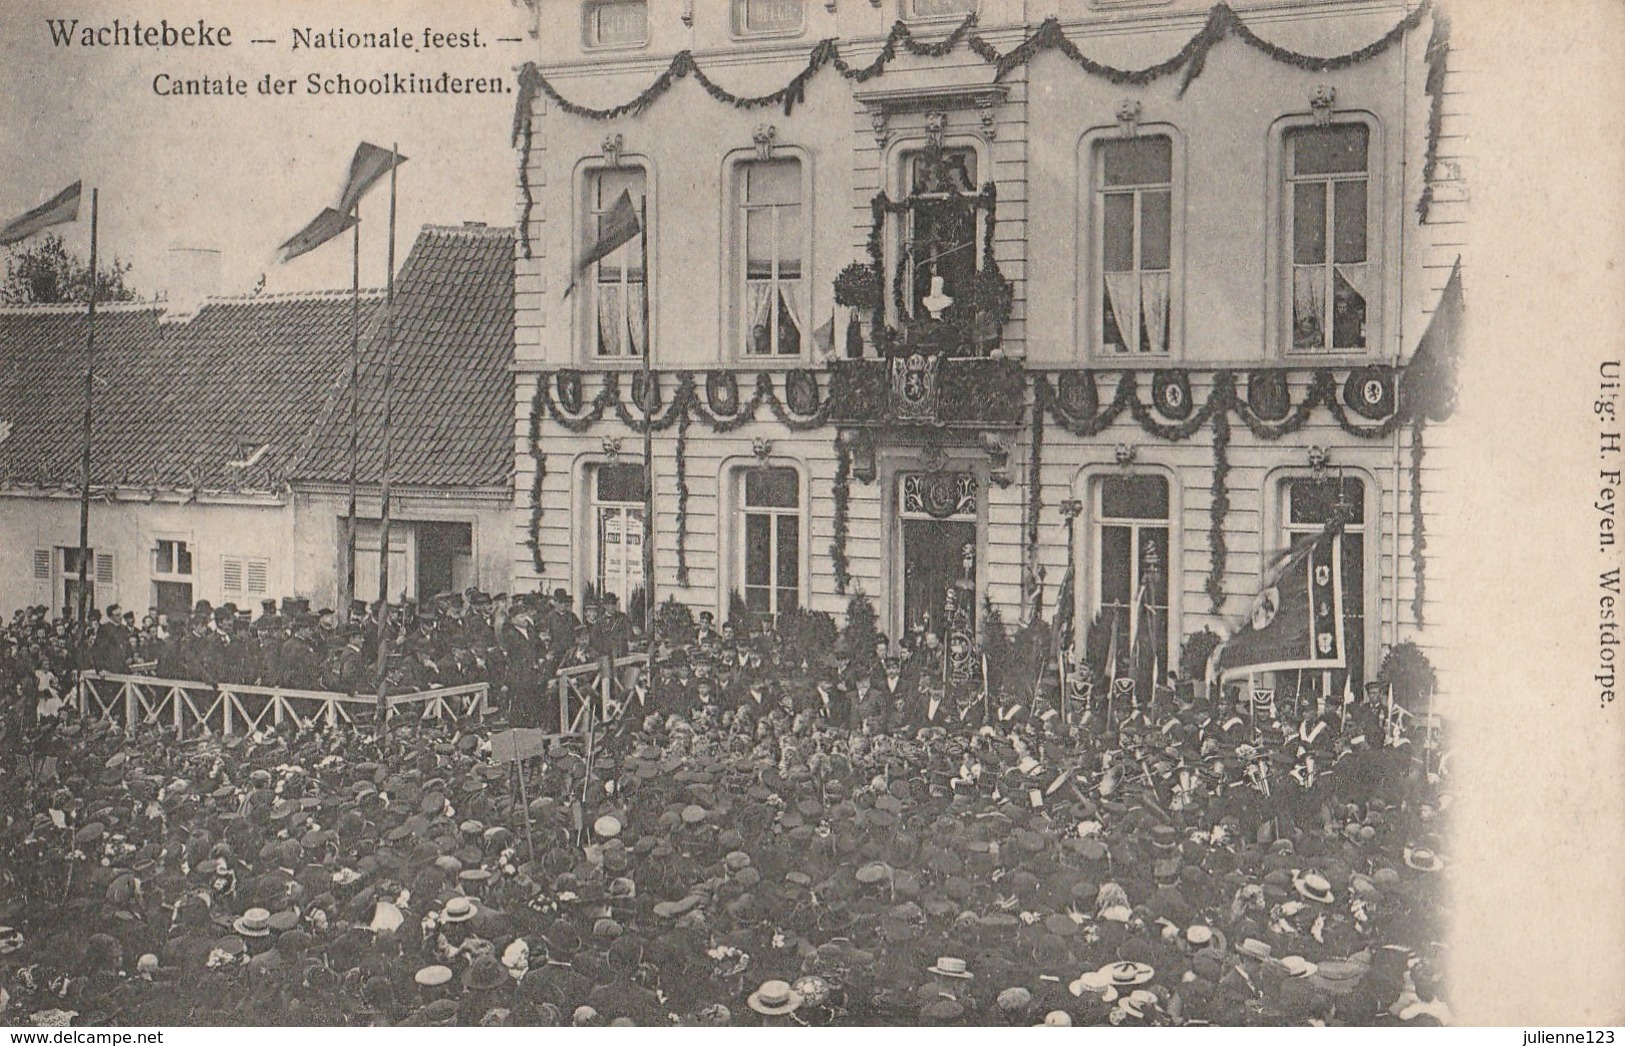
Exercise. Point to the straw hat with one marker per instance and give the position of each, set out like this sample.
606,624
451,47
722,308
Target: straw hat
1057,1019
948,966
774,998
1315,887
458,910
256,922
1127,972
1423,860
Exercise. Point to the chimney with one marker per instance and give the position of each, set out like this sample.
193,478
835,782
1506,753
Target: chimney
194,274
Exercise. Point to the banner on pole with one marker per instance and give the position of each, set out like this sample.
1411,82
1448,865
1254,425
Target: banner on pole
59,209
1297,618
509,746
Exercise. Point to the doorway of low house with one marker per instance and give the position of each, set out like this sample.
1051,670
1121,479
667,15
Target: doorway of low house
445,557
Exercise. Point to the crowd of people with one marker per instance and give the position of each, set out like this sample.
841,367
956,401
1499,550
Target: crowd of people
772,825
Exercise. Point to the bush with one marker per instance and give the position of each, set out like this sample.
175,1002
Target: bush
1194,654
808,635
995,642
674,622
1407,669
862,628
738,615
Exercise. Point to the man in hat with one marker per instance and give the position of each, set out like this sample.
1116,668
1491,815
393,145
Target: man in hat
298,665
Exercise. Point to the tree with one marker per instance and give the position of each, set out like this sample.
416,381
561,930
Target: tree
43,271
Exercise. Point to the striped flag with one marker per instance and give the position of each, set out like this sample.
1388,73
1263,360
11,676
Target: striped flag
59,209
615,228
370,163
323,227
824,337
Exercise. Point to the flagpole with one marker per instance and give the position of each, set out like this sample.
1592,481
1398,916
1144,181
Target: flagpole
355,409
90,397
648,440
383,486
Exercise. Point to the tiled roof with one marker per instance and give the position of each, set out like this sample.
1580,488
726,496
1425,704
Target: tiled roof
263,379
175,402
452,400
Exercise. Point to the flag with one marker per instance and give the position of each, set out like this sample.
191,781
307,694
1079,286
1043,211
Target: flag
509,746
61,208
323,227
824,336
1428,388
1297,618
615,228
370,163
1064,610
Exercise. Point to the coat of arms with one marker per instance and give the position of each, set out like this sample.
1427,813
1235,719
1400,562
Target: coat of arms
914,392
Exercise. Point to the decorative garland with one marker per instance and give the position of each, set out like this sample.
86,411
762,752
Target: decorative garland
1222,21
537,403
1035,488
682,499
1438,58
1419,536
843,508
524,190
1219,505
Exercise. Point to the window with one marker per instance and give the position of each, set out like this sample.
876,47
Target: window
1131,565
939,8
242,576
766,16
773,233
618,285
615,23
1133,224
1309,505
101,576
1328,218
941,233
172,577
618,498
772,540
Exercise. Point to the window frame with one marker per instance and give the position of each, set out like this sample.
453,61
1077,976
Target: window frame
738,29
1088,487
744,511
731,544
1277,526
899,178
1090,246
1099,521
1381,228
584,316
906,11
735,290
589,43
631,577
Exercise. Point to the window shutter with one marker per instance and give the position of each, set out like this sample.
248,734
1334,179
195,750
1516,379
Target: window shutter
257,569
105,573
42,564
231,574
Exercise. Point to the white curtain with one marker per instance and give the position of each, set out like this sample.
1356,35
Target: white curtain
1120,290
634,318
609,320
1308,307
758,300
1154,287
1358,277
789,291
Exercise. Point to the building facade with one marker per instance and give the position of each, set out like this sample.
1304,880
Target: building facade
948,300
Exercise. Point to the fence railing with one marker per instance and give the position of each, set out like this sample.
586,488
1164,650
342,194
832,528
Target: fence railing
599,688
229,708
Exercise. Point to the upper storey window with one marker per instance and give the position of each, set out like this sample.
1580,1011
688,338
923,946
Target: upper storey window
1134,244
773,232
615,23
941,239
617,285
1328,220
757,17
938,8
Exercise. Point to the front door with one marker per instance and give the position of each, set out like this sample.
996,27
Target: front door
938,532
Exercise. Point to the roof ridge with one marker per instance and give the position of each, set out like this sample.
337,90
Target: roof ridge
481,230
367,294
73,307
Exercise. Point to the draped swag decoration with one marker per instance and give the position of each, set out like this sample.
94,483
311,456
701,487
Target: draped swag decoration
1189,60
1072,400
1438,58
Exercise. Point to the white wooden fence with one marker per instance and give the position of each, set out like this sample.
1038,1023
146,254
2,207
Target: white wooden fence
590,687
228,708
